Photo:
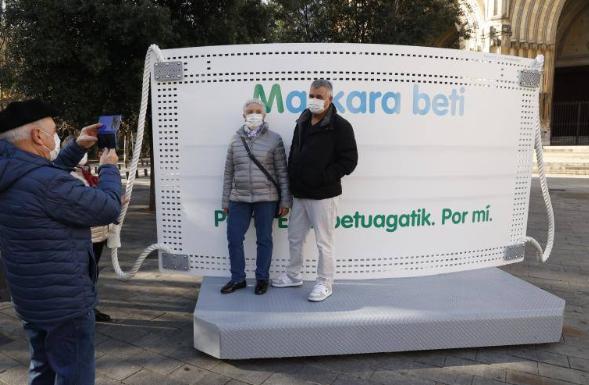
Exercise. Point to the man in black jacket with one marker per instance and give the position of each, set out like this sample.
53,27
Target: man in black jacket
323,150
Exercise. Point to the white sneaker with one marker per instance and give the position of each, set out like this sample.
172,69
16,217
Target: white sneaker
285,280
320,292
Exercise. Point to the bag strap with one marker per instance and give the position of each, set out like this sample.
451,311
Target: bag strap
257,163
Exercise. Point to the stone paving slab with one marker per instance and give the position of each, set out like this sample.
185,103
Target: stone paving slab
150,341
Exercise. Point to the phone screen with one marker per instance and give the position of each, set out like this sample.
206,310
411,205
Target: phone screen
107,133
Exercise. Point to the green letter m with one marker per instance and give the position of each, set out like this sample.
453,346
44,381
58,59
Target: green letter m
275,94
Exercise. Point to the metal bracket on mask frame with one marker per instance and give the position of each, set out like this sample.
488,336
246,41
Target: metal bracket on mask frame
169,71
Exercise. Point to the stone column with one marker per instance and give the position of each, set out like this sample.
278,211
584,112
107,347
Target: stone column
513,48
547,92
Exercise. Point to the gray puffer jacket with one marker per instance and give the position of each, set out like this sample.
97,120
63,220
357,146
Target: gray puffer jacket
243,181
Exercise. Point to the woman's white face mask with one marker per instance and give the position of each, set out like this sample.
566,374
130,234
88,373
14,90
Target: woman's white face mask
253,121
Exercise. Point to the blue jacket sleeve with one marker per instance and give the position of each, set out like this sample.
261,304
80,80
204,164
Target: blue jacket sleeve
70,156
72,203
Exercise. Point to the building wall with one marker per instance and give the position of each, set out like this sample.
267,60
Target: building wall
573,47
527,28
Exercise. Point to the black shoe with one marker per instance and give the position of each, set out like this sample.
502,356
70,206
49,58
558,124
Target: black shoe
101,317
261,287
231,286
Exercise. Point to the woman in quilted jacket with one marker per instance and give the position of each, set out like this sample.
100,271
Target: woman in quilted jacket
255,183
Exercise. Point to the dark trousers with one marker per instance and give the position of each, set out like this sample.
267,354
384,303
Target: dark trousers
4,293
62,354
240,215
98,246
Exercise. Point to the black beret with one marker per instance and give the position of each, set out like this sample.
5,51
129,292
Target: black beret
18,114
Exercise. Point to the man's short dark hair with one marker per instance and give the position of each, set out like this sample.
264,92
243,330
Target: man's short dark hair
322,83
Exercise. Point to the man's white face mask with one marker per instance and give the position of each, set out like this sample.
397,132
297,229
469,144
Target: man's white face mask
253,121
316,106
53,153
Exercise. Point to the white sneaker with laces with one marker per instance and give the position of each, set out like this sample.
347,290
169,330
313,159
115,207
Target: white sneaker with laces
320,292
285,280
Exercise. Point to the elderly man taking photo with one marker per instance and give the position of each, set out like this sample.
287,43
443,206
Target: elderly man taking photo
45,220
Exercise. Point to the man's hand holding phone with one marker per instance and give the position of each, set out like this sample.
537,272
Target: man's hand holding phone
109,156
89,136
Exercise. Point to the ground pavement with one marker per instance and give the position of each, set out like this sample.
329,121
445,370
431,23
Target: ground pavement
150,341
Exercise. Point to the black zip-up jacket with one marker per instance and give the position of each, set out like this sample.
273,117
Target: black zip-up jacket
321,155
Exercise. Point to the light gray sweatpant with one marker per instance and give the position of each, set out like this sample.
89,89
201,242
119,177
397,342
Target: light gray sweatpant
322,216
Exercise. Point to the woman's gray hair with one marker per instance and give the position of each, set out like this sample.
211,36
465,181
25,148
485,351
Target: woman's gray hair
249,102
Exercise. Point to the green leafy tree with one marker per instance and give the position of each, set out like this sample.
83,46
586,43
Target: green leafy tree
215,22
7,91
86,57
299,21
414,22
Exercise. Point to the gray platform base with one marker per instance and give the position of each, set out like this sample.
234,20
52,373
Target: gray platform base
476,308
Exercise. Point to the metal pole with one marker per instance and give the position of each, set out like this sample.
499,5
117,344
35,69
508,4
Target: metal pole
125,149
578,138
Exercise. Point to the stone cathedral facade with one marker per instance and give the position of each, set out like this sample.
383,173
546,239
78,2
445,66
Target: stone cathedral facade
557,29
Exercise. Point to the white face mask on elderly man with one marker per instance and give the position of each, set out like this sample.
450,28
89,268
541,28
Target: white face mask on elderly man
316,106
253,121
53,153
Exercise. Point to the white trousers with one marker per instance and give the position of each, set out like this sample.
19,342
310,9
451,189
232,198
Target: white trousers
322,216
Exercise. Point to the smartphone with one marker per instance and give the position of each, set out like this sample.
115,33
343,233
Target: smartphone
107,133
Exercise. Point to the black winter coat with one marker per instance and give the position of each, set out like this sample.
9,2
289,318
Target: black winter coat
321,155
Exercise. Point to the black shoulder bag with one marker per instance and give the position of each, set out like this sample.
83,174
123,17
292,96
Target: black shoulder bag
270,178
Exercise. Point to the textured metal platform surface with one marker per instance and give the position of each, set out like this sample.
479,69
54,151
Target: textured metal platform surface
486,307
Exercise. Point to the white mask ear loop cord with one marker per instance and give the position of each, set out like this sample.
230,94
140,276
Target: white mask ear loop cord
543,255
153,56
